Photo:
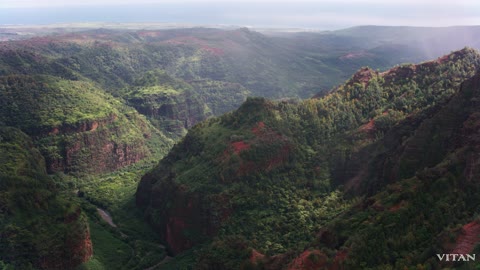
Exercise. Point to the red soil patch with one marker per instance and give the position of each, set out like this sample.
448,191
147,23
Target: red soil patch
54,131
339,258
363,76
309,260
443,59
264,137
403,71
256,256
368,126
259,128
240,146
468,238
267,165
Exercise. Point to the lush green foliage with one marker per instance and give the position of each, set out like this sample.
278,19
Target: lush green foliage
75,123
38,228
424,212
43,102
132,244
268,172
289,65
262,177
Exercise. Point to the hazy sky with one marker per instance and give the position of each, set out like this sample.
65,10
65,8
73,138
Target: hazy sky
320,14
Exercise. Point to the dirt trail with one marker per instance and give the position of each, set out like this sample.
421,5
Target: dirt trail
468,238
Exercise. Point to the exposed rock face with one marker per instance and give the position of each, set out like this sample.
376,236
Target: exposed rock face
172,113
181,217
75,125
438,146
276,146
363,76
256,257
467,239
95,146
171,223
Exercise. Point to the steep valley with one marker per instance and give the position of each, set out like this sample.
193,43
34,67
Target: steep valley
234,149
275,178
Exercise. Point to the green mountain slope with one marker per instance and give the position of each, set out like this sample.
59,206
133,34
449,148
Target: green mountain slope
424,193
75,125
272,175
38,227
290,65
174,106
214,69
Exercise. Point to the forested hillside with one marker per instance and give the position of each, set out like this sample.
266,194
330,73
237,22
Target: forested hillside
272,177
235,149
40,229
176,78
76,126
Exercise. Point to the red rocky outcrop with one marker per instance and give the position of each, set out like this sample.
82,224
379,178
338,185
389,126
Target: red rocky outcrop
95,146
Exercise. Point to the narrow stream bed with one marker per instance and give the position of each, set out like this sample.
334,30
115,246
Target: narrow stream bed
106,216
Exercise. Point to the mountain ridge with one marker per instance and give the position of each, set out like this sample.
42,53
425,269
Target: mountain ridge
255,182
301,163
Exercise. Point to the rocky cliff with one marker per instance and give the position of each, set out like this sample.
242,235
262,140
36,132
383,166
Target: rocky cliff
76,126
174,106
98,146
174,112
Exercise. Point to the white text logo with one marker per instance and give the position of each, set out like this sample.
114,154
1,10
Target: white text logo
456,257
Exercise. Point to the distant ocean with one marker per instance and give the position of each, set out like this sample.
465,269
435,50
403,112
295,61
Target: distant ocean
180,13
244,14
